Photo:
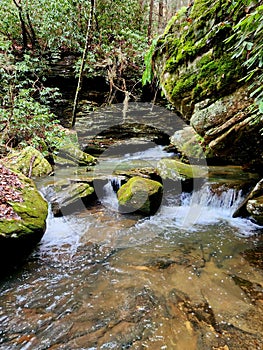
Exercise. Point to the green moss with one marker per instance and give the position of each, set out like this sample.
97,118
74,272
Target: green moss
209,76
24,159
32,212
140,195
195,62
176,170
176,20
183,85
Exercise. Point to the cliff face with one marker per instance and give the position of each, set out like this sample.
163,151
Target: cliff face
194,65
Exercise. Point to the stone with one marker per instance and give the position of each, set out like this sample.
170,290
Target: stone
140,195
18,235
29,162
69,197
252,205
189,143
175,170
70,153
202,81
255,209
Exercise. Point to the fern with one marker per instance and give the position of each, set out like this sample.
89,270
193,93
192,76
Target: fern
248,36
147,75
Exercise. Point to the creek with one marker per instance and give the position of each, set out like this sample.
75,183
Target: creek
188,277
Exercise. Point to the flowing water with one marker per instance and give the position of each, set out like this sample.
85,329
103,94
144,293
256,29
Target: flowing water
189,277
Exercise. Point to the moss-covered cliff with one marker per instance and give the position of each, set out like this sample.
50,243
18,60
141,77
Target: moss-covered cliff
193,61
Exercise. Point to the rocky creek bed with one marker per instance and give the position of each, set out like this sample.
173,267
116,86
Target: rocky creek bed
189,276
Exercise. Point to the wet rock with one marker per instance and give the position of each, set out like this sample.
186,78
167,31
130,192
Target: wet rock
28,161
176,170
20,233
252,205
146,172
68,198
71,155
140,195
255,209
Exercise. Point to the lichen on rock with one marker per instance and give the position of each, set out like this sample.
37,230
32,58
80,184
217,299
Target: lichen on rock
70,153
66,197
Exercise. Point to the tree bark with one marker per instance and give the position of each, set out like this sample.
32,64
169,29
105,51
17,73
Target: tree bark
150,21
160,16
22,23
81,70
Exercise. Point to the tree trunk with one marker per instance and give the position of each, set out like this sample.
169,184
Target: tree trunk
22,23
81,70
160,16
150,23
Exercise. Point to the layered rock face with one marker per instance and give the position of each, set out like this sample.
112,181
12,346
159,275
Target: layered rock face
193,61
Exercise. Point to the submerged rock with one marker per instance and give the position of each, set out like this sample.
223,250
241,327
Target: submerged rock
28,161
140,195
21,231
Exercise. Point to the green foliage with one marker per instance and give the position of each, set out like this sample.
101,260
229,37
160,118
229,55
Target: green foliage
25,117
248,44
54,26
147,76
34,29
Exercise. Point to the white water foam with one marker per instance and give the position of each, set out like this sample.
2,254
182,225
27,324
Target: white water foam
203,208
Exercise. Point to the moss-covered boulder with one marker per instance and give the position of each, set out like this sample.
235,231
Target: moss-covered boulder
189,143
193,62
70,153
175,170
66,197
23,213
29,162
140,195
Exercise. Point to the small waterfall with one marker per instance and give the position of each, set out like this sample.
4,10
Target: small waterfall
115,183
109,198
218,197
212,204
209,204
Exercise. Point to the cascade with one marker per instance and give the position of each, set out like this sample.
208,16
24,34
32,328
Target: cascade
218,197
109,198
115,183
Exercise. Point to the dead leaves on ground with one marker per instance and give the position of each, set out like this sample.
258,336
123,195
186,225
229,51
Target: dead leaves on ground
10,186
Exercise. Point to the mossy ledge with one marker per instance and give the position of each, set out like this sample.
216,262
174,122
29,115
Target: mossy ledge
193,62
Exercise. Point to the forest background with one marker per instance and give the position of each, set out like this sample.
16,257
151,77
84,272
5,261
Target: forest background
109,38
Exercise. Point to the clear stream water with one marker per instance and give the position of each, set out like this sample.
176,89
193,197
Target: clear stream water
187,278
102,280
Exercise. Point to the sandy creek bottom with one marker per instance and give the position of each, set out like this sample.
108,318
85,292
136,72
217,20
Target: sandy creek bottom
102,280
